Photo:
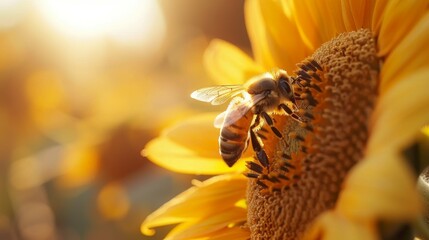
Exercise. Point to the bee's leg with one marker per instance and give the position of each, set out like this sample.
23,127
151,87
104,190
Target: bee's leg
270,122
290,112
261,155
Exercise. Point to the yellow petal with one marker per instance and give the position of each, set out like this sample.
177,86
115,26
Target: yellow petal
334,226
329,18
408,57
209,226
286,46
377,17
401,113
368,13
227,64
357,13
208,198
192,147
306,19
235,233
258,35
381,187
348,17
399,18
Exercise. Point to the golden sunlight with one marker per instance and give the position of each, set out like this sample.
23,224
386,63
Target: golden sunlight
100,138
128,21
11,12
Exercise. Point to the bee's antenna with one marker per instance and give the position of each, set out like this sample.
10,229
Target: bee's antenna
295,80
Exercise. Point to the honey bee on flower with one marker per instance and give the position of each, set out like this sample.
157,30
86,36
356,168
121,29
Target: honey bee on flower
252,104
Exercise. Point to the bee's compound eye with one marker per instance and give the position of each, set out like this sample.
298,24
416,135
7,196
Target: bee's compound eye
285,86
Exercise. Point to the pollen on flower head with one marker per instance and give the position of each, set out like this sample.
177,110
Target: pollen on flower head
337,90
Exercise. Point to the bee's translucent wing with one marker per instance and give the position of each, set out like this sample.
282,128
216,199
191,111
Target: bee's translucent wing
218,94
237,108
218,122
235,111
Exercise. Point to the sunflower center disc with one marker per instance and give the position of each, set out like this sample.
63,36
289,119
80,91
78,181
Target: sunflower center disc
308,166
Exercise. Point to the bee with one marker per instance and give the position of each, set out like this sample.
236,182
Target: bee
252,104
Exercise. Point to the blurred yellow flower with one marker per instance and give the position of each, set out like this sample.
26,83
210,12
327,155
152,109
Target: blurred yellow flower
344,168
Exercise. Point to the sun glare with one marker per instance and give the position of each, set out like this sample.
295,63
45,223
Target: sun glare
11,11
126,21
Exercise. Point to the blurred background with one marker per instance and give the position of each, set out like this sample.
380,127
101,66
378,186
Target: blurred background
84,85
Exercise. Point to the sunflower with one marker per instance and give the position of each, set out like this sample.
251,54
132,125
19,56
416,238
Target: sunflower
364,77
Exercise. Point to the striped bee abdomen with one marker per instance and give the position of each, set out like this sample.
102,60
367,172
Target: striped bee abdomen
233,139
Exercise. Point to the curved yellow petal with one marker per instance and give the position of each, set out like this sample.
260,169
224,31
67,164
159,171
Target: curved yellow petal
211,225
192,147
348,17
306,18
408,56
382,186
368,13
334,226
207,198
258,34
377,17
401,113
227,64
286,46
357,13
399,18
271,32
236,233
329,18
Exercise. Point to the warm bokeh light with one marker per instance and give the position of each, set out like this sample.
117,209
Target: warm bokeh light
113,202
11,12
84,85
128,21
